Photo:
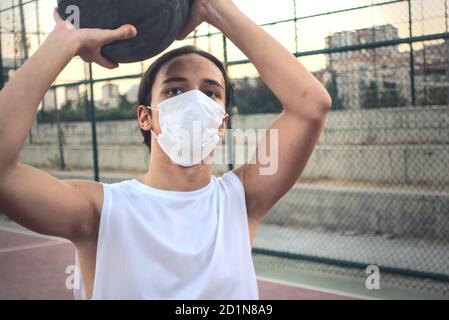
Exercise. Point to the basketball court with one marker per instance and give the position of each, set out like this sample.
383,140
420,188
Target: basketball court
34,267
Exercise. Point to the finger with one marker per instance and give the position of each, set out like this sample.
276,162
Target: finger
57,16
190,26
104,62
124,32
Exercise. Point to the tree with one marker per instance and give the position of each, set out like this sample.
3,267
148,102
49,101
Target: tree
331,87
254,97
124,104
438,96
391,96
67,106
370,98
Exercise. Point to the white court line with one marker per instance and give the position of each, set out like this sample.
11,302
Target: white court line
31,246
324,290
33,234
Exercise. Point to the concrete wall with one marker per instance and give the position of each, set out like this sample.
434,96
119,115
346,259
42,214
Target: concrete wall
127,158
391,126
391,146
429,125
401,146
382,164
393,213
79,133
115,158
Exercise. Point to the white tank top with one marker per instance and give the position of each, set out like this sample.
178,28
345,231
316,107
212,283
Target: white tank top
156,244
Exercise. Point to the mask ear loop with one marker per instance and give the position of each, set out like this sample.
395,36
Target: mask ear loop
149,109
222,124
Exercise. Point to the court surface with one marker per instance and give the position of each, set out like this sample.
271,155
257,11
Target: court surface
34,267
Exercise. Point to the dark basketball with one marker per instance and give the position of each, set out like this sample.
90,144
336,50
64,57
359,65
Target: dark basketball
158,23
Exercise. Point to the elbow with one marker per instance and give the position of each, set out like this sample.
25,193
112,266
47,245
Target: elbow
317,107
313,104
327,102
323,101
322,105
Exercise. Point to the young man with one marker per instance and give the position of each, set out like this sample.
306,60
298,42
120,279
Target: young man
177,232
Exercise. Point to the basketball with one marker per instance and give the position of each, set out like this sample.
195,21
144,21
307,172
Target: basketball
158,23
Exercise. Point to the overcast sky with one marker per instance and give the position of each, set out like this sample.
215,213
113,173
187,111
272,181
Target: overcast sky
428,18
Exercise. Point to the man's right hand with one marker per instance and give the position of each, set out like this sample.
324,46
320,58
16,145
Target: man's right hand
88,42
29,196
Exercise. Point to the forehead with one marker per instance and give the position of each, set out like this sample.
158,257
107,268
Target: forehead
191,66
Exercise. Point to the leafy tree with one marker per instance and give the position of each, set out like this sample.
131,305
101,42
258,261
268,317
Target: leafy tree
331,87
438,96
254,97
370,98
391,96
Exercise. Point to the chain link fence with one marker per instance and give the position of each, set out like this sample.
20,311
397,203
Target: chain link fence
376,191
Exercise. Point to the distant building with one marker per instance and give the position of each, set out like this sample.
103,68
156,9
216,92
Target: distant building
72,94
381,77
9,65
358,72
324,76
131,96
432,74
110,97
49,101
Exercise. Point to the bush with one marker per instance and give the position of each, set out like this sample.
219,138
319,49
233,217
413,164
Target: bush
125,111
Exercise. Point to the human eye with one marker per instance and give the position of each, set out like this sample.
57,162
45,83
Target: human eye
174,92
212,94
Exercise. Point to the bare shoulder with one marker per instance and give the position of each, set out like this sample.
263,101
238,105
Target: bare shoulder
91,190
239,172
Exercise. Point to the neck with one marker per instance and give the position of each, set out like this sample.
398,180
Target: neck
165,175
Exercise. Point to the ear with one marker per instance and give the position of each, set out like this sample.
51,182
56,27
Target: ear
223,127
144,118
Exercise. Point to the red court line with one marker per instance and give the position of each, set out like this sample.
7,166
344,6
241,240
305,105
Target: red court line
33,267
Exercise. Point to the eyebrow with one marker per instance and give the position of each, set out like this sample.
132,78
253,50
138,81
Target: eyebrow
182,79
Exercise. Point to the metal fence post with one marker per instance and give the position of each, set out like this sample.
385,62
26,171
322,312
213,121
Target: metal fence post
23,35
229,140
60,136
2,80
446,20
446,15
38,24
412,56
93,121
296,25
23,41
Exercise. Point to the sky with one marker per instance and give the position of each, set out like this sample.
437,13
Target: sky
429,17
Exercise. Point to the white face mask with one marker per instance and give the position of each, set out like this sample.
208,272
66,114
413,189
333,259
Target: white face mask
189,126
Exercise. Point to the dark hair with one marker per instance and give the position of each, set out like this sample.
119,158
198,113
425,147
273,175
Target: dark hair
146,85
